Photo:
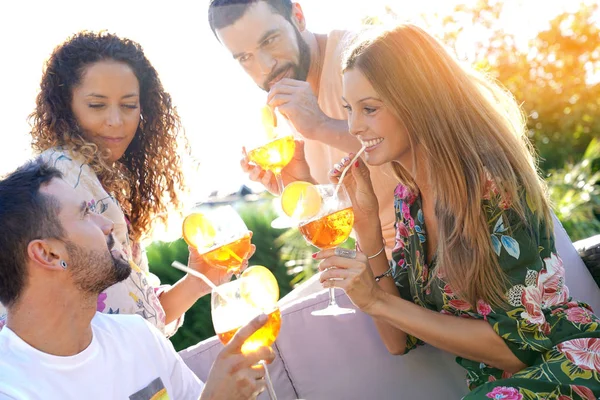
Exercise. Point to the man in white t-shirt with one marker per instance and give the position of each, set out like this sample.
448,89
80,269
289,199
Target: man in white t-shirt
56,256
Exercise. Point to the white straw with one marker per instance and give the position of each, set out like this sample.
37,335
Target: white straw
215,288
337,188
185,268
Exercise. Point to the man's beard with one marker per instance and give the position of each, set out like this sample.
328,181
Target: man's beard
300,70
93,270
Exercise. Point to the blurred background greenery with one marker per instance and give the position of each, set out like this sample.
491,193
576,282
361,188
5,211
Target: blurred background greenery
557,81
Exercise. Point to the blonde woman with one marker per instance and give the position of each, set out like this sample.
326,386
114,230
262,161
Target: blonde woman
474,270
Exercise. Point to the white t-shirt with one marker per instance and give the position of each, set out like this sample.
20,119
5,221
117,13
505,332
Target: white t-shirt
128,358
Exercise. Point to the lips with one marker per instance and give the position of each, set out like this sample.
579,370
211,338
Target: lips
113,140
279,77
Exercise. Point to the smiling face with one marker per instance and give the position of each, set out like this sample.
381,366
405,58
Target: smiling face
373,123
93,261
106,104
267,45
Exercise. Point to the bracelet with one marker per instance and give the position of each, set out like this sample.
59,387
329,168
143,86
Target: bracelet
378,253
374,255
387,273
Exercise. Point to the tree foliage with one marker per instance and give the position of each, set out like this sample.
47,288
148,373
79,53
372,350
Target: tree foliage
556,78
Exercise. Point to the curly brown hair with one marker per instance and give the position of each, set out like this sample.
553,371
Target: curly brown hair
148,179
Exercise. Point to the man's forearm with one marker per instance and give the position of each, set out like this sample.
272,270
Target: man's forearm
334,133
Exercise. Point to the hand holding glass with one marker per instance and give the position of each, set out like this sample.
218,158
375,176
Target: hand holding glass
236,303
278,150
330,227
220,236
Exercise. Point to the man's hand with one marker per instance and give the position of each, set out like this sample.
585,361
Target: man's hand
296,170
296,101
235,375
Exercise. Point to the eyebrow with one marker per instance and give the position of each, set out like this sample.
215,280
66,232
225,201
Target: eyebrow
101,96
365,99
262,39
368,98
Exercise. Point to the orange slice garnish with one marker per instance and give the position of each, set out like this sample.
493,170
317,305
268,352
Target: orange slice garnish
269,121
198,231
300,200
259,287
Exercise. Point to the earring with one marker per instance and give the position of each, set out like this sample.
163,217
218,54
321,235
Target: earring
63,264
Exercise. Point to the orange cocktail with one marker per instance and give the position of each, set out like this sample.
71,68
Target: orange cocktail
229,256
265,336
330,230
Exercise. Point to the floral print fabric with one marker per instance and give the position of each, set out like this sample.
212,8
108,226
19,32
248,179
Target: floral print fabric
556,337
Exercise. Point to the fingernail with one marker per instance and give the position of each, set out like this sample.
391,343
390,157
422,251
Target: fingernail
314,255
356,164
262,318
351,155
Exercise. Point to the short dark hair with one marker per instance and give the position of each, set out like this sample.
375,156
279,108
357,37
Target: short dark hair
222,13
25,215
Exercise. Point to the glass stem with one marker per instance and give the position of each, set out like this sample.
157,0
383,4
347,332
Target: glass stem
332,302
280,184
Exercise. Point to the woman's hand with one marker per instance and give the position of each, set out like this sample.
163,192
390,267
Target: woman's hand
357,182
296,170
352,274
217,276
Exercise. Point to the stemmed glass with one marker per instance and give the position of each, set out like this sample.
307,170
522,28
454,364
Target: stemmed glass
276,147
220,236
329,228
236,303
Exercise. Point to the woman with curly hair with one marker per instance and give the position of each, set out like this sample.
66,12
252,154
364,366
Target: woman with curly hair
103,118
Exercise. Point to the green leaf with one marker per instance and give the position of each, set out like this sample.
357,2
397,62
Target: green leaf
593,150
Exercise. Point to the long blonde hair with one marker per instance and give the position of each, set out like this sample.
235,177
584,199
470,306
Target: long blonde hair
469,128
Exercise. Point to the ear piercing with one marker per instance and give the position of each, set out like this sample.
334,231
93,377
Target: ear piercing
63,264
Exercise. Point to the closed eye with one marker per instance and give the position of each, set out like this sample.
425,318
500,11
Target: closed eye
269,41
244,58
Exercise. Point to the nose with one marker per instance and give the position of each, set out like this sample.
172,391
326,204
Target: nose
104,223
114,117
266,63
354,124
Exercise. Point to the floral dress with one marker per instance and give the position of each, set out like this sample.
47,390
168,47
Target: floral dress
557,337
139,294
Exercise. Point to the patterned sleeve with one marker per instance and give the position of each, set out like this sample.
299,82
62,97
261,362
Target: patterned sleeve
402,283
401,275
527,256
140,257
